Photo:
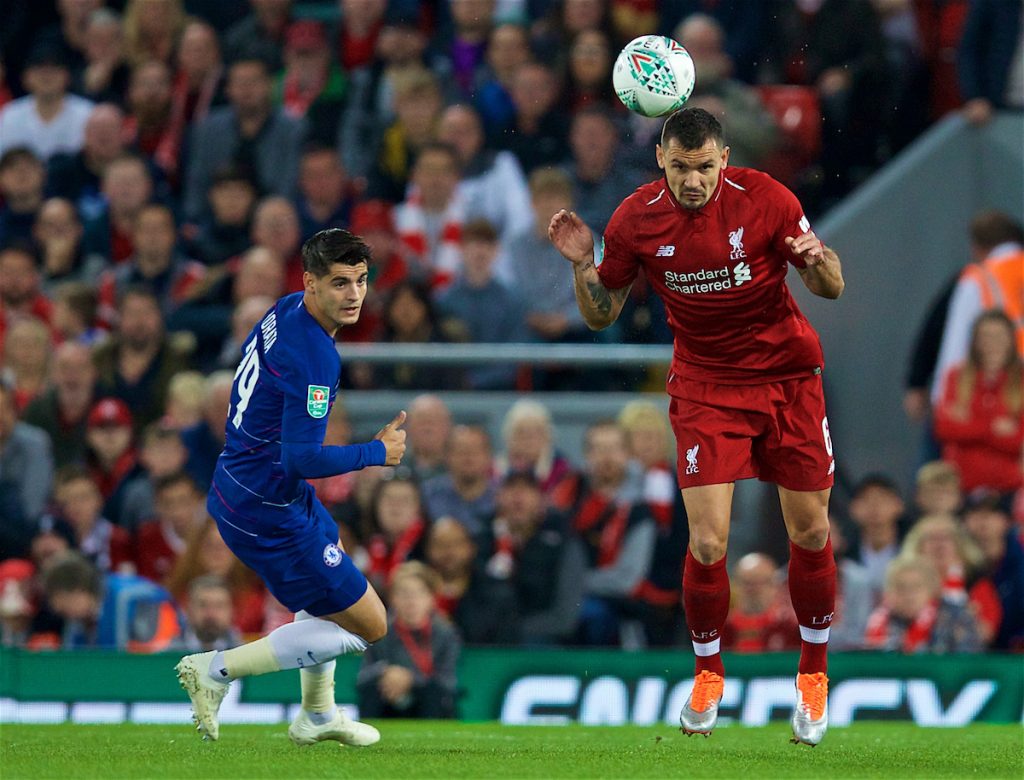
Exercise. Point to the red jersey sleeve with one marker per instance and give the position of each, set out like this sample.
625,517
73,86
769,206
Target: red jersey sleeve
789,221
616,259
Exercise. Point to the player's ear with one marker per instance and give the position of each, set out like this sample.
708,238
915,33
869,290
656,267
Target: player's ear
725,157
308,281
660,155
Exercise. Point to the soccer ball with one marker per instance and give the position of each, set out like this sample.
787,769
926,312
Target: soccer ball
653,75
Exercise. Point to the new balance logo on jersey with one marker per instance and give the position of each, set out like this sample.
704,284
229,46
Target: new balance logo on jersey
741,273
736,240
665,250
691,459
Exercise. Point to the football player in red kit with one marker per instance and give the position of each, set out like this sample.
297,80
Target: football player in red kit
745,382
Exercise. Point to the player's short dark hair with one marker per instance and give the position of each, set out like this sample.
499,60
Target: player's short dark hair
73,573
991,227
691,128
331,246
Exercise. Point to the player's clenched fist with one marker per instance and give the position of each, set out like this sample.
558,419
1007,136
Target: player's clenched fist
394,440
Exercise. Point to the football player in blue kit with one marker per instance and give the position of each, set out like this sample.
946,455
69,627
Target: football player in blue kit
267,512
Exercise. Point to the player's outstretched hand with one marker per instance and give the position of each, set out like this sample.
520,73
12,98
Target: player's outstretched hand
571,237
808,246
394,439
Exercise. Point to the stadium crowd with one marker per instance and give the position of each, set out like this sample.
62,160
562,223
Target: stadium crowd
161,163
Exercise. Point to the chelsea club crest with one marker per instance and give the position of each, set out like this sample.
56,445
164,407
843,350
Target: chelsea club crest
332,555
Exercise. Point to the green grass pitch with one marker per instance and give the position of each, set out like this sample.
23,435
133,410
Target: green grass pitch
488,750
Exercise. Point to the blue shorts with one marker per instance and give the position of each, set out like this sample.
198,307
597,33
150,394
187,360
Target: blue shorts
294,550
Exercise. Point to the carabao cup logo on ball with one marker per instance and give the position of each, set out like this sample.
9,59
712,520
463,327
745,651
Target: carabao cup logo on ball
653,75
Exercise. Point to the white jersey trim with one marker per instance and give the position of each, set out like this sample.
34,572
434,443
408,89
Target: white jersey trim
656,199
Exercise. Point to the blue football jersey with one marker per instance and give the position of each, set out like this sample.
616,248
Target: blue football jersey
284,389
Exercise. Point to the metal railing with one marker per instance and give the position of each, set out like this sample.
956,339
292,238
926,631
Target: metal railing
589,355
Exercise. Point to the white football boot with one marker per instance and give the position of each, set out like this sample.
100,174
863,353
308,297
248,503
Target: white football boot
205,693
340,728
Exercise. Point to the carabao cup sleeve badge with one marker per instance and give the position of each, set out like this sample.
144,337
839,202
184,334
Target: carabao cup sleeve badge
318,399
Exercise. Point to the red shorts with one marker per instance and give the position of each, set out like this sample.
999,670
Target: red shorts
777,432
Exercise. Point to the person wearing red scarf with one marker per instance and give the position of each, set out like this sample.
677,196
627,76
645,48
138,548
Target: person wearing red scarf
396,513
111,454
914,618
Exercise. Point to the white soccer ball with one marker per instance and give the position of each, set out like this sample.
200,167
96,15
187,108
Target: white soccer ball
653,75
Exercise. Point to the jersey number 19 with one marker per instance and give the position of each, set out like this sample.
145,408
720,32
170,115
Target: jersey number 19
245,378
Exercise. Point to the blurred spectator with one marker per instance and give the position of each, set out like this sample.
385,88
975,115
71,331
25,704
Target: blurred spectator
105,74
337,492
492,186
184,400
205,553
411,672
650,442
58,234
127,186
552,314
988,229
152,29
877,509
77,176
150,127
48,120
463,45
225,231
537,136
400,48
261,272
160,541
275,226
110,452
914,618
21,193
16,601
137,362
856,595
508,49
937,489
481,308
154,264
396,531
361,22
205,440
988,524
162,456
311,85
959,563
751,129
481,607
417,105
590,72
528,436
199,81
617,532
989,59
409,318
979,420
75,308
598,183
21,296
73,29
62,409
533,551
260,34
429,426
743,21
249,132
114,612
995,281
209,617
324,199
553,32
835,47
430,220
905,113
243,319
26,471
467,491
26,364
760,617
80,505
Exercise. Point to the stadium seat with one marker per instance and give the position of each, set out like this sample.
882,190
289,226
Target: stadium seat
798,115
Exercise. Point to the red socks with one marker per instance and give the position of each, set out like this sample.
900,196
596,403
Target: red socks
812,588
706,601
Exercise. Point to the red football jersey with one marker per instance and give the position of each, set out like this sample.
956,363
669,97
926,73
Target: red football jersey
721,271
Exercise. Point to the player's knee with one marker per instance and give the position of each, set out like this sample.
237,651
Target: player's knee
810,538
707,549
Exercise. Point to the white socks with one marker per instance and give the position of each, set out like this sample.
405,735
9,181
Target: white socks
308,642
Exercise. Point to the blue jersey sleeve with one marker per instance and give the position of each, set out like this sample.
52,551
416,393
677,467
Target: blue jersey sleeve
309,382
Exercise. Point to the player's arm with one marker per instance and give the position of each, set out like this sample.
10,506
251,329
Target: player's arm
312,460
822,272
599,306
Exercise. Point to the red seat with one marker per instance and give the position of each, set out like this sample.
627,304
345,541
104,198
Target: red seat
797,113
